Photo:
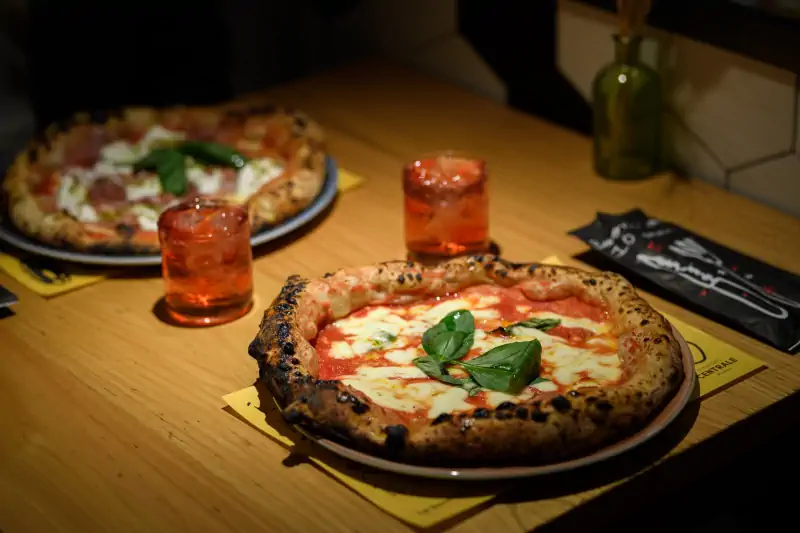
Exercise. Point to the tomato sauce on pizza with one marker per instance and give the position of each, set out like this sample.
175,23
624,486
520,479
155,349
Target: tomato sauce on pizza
373,349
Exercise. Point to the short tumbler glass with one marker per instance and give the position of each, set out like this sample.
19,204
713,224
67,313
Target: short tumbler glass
446,205
207,262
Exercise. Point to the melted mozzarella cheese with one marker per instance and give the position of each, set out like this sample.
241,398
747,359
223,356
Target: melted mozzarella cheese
388,386
144,188
71,195
431,397
120,152
146,216
255,174
403,357
207,181
155,136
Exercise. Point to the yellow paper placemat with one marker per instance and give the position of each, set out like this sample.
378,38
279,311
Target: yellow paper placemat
50,278
47,277
420,511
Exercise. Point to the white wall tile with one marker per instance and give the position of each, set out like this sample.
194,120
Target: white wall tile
456,61
775,182
688,154
741,108
584,43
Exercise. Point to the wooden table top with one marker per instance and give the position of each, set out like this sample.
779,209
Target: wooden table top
111,420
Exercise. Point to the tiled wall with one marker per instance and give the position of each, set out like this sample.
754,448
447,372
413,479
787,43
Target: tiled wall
730,120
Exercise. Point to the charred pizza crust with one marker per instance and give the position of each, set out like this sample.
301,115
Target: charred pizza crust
300,145
544,429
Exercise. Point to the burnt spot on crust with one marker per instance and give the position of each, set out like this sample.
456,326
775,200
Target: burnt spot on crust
604,405
359,407
410,277
481,412
293,416
444,417
409,263
503,415
505,405
396,437
288,349
283,366
126,231
532,268
343,397
257,348
295,361
328,275
561,404
590,281
401,279
538,415
327,384
284,331
419,276
521,413
502,273
644,322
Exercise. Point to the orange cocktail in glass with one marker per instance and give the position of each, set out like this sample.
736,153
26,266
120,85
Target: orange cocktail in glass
206,261
446,205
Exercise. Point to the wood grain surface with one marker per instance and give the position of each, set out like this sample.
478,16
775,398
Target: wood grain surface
111,420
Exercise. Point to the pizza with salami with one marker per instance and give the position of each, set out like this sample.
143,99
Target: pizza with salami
101,182
472,360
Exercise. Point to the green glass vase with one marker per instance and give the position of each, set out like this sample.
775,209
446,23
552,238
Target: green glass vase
627,111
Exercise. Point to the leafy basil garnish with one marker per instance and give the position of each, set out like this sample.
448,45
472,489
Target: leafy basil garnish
506,368
437,370
170,162
542,324
451,338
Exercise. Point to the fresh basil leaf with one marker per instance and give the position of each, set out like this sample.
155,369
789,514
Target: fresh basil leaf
461,320
172,174
508,368
451,338
434,369
542,324
471,386
153,159
213,154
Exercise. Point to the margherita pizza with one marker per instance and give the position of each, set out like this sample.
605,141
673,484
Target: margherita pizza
101,185
476,359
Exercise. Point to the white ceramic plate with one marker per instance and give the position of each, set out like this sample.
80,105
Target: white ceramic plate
15,238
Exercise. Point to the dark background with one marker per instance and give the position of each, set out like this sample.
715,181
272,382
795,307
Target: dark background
85,54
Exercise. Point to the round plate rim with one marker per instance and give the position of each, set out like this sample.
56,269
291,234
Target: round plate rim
667,415
326,195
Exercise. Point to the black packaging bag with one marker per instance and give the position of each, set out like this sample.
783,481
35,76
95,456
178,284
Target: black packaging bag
757,298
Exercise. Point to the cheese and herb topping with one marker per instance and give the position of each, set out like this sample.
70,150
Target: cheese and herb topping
161,161
483,347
